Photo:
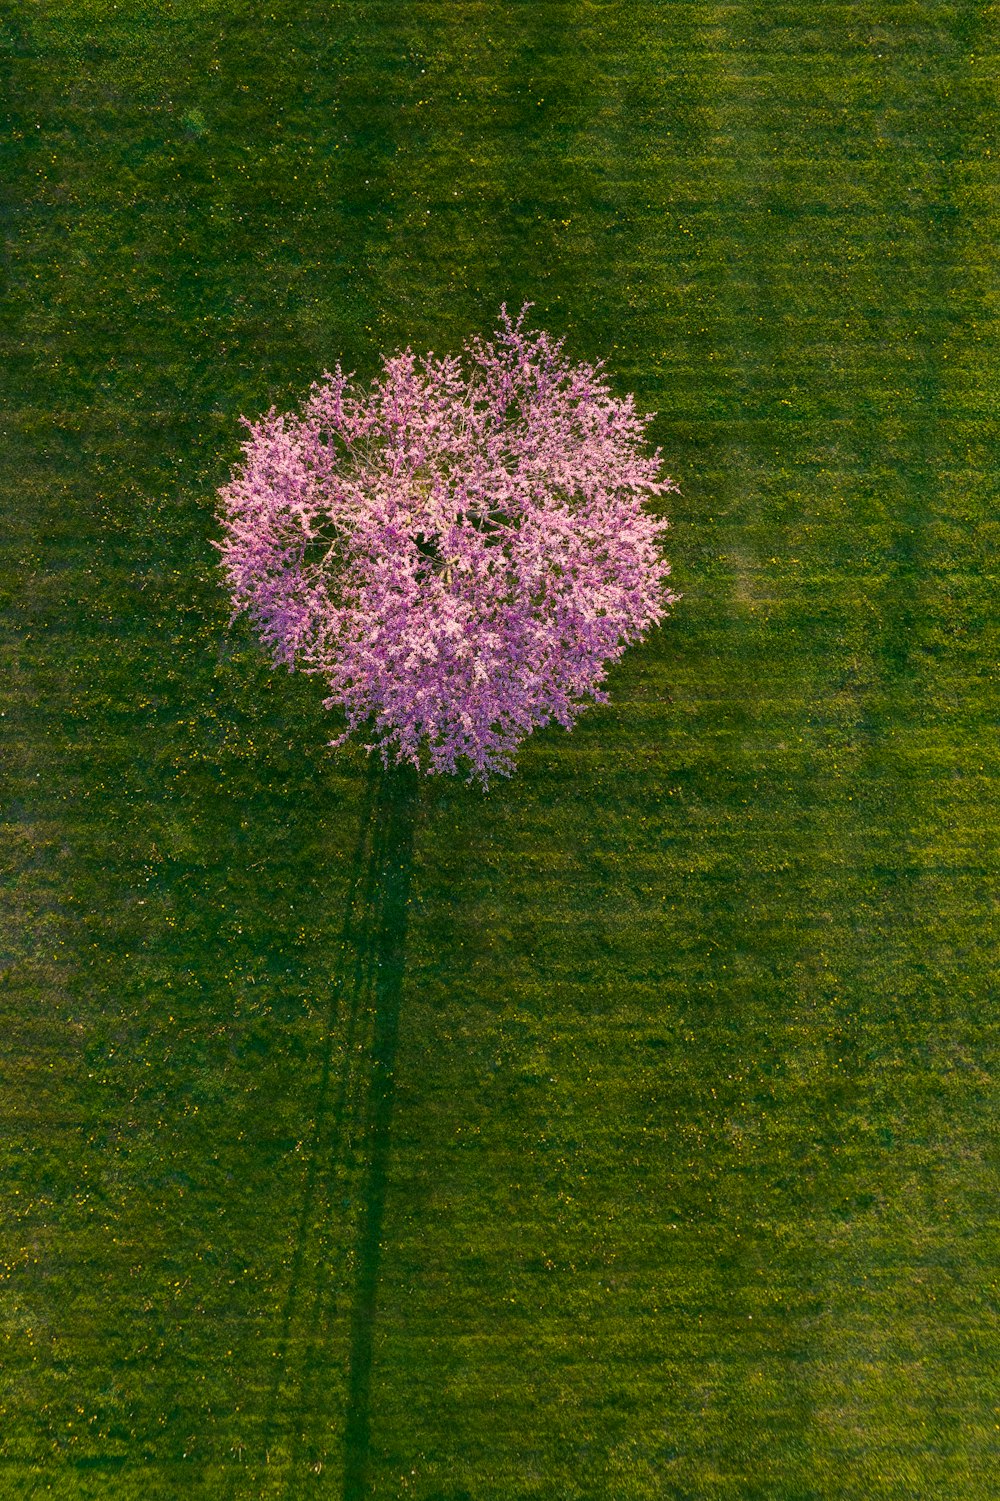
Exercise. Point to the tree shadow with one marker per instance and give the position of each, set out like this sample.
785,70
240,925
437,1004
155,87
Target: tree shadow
393,864
340,1222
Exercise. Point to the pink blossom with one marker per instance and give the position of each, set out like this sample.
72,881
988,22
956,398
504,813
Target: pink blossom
457,552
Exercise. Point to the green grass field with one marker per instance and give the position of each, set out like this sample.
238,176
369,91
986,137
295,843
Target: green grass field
628,1133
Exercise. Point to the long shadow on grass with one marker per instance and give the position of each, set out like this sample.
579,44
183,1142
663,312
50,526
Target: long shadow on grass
393,863
348,1154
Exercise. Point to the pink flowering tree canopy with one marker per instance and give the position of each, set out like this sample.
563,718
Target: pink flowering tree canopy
457,552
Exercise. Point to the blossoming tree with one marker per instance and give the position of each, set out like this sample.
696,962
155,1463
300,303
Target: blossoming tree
458,551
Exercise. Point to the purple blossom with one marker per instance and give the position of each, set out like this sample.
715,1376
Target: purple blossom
458,552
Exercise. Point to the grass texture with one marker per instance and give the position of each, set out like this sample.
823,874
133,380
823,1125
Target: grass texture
628,1133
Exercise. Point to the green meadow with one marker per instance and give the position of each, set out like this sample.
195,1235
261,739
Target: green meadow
627,1133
